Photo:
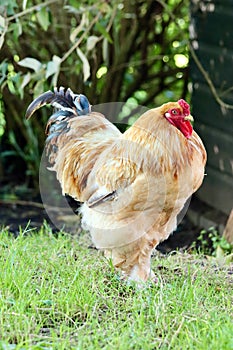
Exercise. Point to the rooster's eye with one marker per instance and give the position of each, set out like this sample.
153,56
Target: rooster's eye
174,111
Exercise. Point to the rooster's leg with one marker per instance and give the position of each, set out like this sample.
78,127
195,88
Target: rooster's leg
134,259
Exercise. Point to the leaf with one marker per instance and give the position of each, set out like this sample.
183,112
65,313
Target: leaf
219,253
2,37
2,22
38,88
104,32
43,18
17,29
31,63
25,81
221,259
53,66
79,28
10,6
86,65
229,258
3,29
8,153
55,78
105,8
24,5
105,50
91,42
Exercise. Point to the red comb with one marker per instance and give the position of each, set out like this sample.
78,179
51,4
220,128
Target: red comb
185,107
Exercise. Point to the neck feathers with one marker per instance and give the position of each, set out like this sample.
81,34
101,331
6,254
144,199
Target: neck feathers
161,146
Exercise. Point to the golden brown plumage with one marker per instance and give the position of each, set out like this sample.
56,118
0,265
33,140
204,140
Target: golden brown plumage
132,185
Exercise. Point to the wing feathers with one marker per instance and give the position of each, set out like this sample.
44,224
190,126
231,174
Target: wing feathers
100,196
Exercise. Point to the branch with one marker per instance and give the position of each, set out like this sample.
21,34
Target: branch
120,56
208,80
31,9
73,47
93,22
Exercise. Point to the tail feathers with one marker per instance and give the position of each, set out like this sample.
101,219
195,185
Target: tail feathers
67,105
56,118
63,100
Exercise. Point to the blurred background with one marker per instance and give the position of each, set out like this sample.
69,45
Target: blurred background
141,53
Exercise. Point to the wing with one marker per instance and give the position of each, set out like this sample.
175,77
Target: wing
116,170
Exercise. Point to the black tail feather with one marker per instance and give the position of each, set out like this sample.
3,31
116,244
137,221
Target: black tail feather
67,105
57,117
61,99
45,98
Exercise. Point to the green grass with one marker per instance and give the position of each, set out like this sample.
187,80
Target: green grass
55,293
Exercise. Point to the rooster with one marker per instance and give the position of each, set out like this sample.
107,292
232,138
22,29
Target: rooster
132,184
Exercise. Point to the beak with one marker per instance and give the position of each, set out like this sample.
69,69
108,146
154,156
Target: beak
189,117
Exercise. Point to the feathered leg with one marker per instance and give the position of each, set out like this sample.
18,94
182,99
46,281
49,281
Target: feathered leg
134,259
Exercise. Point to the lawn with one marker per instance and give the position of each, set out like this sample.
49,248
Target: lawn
56,293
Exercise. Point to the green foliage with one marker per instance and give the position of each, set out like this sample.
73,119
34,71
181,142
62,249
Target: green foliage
30,153
110,51
210,242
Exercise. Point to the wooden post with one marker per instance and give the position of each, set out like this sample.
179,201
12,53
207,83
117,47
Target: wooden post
228,232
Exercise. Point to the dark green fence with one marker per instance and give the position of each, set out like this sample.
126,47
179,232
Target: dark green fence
212,39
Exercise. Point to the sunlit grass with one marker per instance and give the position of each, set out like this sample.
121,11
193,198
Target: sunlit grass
56,294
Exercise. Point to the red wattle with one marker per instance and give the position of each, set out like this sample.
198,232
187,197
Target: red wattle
179,120
185,127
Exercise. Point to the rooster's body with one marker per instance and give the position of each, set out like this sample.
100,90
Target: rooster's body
132,185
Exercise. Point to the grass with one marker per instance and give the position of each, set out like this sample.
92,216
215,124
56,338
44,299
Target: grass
58,294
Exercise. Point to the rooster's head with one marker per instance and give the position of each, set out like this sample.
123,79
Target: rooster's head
178,114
